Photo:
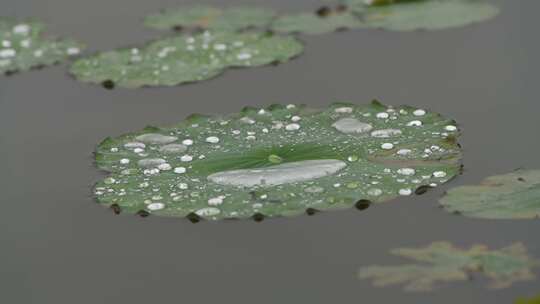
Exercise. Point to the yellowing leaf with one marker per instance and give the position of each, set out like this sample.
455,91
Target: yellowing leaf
443,262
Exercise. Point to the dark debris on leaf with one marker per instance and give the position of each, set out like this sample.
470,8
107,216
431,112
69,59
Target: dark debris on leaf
193,217
422,189
258,217
116,208
143,213
311,211
362,204
108,84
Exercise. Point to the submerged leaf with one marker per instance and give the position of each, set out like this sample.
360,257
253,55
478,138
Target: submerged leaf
535,300
422,14
510,196
183,59
442,262
206,17
278,161
23,47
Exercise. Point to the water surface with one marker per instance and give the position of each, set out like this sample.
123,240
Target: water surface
59,246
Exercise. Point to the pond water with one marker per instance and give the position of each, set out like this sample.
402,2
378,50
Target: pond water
59,246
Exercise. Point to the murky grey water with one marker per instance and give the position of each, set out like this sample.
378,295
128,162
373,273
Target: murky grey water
58,246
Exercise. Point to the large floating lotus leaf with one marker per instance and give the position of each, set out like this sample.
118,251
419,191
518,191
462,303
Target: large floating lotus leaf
422,14
510,196
312,23
535,300
184,59
282,160
23,47
442,262
231,19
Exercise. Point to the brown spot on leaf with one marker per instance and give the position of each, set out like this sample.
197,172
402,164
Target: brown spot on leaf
324,11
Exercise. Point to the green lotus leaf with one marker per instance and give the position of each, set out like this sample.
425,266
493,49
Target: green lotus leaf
184,59
318,23
206,17
443,262
278,161
514,195
422,14
23,47
535,300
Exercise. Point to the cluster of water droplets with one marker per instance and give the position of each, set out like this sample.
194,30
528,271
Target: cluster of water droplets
185,58
21,47
214,168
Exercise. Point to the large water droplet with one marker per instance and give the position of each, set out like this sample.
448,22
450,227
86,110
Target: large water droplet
212,139
439,174
216,201
155,206
151,162
419,112
387,146
292,127
406,171
374,192
210,211
280,174
173,148
403,152
133,145
405,191
155,138
385,133
344,110
352,125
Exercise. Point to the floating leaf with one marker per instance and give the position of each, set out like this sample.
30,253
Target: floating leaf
279,161
535,300
510,196
442,262
184,59
326,20
422,14
23,47
206,17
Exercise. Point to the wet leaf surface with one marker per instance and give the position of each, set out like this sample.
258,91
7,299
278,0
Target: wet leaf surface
23,47
278,161
313,23
422,14
184,59
514,195
206,17
443,262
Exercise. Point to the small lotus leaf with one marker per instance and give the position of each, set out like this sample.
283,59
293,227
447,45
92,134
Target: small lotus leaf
422,14
183,59
514,195
443,262
206,17
23,47
278,161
